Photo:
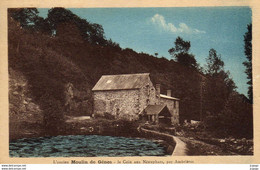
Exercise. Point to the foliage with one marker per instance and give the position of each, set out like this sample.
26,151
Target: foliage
25,16
228,113
93,33
46,72
248,63
80,55
220,86
236,119
53,119
181,53
214,63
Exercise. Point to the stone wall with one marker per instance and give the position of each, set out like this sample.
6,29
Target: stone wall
128,104
173,106
119,103
147,96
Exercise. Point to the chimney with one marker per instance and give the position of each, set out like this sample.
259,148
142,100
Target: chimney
158,89
169,93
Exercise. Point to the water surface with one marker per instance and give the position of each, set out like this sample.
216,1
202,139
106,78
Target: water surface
84,146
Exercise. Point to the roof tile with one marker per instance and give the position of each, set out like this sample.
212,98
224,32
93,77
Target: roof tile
121,82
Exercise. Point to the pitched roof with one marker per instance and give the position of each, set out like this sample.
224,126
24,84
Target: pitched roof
122,81
154,109
168,97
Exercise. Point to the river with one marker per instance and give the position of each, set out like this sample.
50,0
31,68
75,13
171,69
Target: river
84,146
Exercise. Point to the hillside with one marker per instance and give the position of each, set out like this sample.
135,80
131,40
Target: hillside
61,70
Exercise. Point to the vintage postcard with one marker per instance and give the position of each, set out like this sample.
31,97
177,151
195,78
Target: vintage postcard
145,82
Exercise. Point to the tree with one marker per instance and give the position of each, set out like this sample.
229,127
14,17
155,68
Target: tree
215,69
237,116
25,16
29,19
181,53
93,33
214,63
97,34
57,16
220,84
248,63
42,25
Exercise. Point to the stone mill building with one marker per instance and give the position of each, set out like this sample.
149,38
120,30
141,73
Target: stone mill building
133,97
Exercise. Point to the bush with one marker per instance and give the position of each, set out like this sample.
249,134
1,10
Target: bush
126,127
53,117
109,116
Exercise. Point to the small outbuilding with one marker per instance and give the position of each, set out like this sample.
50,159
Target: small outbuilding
157,114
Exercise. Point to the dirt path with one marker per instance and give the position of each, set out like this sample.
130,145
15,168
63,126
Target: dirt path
180,148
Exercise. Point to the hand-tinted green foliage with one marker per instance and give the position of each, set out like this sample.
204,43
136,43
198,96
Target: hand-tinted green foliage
214,63
248,63
236,118
25,16
181,53
46,71
92,33
77,55
220,86
227,111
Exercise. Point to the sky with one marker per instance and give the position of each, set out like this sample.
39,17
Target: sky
154,30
